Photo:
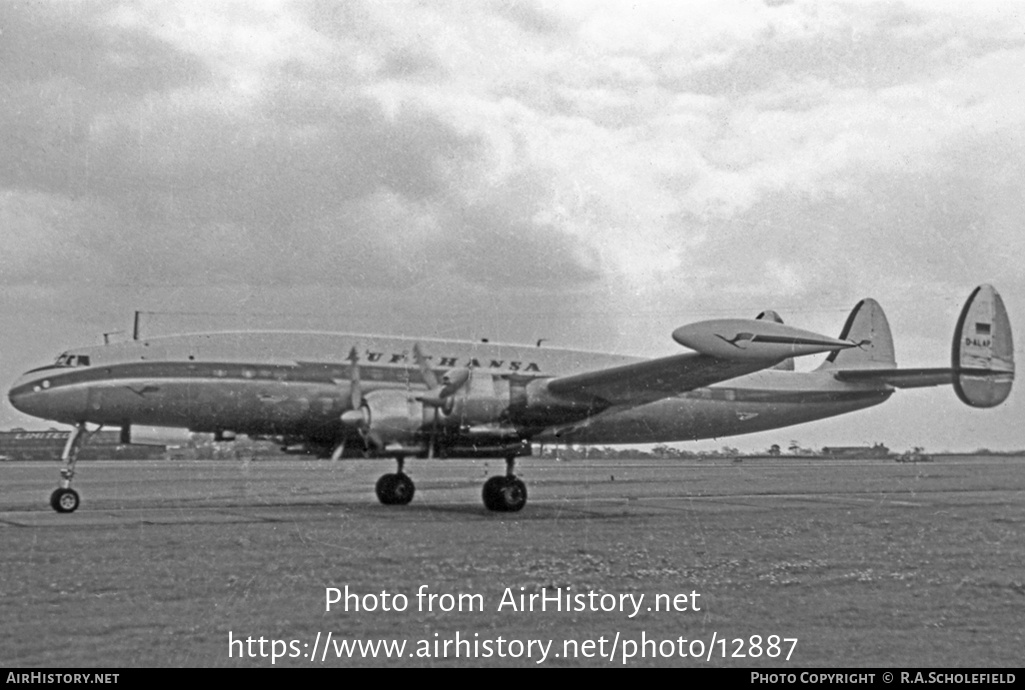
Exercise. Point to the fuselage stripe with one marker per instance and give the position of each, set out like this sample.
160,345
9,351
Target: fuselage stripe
330,374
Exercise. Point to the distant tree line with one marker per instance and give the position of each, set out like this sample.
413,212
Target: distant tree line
668,452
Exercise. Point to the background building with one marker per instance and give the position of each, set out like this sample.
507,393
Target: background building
21,444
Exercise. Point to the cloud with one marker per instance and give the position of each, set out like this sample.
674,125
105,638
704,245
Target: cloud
293,119
213,187
72,44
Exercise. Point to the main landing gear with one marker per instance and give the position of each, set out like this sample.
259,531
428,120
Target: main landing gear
395,489
502,494
65,499
505,494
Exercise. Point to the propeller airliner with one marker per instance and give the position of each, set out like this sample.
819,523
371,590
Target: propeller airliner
344,395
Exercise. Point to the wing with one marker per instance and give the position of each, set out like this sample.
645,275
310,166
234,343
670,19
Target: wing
726,349
644,382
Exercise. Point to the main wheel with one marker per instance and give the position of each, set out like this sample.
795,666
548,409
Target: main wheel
64,500
492,487
504,494
395,489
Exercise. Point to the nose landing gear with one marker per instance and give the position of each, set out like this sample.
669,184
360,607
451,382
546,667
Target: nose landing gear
64,499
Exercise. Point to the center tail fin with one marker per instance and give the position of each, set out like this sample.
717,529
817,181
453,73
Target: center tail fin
982,354
867,326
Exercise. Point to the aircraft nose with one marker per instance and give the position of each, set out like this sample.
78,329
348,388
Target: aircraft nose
40,396
25,395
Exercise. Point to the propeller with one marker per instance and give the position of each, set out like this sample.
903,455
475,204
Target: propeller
359,416
440,395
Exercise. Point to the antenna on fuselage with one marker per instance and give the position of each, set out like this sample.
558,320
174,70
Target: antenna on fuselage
135,326
106,336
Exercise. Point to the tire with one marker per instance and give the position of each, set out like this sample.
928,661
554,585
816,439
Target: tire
402,490
490,493
514,495
395,489
383,488
64,500
504,494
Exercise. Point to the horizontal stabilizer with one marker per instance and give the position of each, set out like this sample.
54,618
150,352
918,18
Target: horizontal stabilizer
754,339
900,378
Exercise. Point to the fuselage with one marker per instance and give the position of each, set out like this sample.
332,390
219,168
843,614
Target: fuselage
297,386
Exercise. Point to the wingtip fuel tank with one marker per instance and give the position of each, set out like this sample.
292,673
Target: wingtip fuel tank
757,339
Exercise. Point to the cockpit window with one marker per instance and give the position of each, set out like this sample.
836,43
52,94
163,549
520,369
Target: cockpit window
69,360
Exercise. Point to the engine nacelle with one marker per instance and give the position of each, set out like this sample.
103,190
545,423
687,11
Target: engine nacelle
537,406
468,398
393,416
470,411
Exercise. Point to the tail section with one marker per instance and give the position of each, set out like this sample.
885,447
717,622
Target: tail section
867,326
982,356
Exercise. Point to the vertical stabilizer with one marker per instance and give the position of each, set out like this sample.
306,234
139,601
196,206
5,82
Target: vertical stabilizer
982,355
867,326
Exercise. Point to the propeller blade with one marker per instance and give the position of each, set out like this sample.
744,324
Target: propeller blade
425,370
358,416
355,389
433,437
338,452
439,393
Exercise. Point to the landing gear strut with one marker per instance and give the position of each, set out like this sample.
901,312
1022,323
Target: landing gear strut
395,489
65,499
505,494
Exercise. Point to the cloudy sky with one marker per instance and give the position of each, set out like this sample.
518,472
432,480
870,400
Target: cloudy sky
593,173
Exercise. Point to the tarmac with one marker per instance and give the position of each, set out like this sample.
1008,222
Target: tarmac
857,562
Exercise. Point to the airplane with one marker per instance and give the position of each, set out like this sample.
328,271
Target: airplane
345,395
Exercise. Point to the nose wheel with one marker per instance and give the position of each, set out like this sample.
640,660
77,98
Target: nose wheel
506,494
64,500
